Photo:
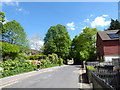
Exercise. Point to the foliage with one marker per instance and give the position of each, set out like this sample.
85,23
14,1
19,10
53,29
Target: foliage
53,58
90,68
2,16
115,24
60,62
101,60
83,46
14,33
36,57
9,50
12,67
21,65
57,41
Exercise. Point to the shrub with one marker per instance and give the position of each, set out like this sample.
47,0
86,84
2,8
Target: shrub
53,58
12,67
36,57
101,60
90,68
60,62
9,50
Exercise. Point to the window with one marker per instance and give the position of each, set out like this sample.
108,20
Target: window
113,35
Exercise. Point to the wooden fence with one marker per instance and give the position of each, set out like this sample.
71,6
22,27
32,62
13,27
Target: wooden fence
104,78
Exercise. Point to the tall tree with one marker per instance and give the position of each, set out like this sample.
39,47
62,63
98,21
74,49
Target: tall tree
14,33
57,40
2,16
83,46
115,24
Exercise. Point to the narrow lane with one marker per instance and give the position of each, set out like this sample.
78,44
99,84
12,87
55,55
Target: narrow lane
64,77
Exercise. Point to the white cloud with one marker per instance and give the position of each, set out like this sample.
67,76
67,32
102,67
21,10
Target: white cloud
87,20
9,3
19,9
91,15
71,26
36,42
6,20
84,27
100,21
36,45
105,15
7,0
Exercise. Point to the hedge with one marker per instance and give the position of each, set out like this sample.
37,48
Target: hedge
36,57
12,67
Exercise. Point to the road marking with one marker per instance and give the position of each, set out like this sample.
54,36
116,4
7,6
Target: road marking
8,84
20,79
80,79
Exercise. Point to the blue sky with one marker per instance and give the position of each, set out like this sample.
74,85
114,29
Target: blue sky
37,17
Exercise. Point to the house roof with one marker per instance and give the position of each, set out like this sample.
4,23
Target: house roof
104,34
118,32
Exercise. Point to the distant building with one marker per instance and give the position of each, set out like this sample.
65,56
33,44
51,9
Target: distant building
33,52
108,46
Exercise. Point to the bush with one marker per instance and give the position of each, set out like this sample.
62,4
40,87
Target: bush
53,58
90,68
60,62
101,60
9,50
12,67
36,57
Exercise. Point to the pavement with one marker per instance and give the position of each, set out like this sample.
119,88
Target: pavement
66,76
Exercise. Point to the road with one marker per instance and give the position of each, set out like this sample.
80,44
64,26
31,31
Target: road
63,77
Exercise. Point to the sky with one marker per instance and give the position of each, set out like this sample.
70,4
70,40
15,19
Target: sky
37,17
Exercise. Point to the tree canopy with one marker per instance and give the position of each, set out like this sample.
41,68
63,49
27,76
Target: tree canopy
57,40
83,46
14,33
115,24
2,16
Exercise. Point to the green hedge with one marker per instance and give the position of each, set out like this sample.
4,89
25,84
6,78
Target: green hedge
36,57
9,50
90,68
21,65
12,67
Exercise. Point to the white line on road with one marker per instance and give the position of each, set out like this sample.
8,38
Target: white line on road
81,78
28,76
9,84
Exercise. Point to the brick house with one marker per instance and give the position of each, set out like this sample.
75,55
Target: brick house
108,45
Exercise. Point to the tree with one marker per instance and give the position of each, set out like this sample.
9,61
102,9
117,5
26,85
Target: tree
115,24
57,40
83,46
2,16
14,33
